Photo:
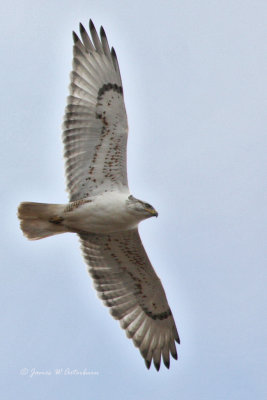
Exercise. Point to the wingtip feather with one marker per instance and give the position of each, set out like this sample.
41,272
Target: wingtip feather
91,25
167,363
175,355
75,37
102,31
82,28
157,365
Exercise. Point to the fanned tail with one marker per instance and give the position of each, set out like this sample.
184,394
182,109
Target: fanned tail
40,220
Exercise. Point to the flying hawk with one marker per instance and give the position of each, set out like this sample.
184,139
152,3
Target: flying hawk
101,209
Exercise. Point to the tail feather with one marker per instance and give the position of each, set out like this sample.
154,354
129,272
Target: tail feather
40,220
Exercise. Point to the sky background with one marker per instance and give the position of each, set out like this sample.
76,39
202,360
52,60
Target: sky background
194,76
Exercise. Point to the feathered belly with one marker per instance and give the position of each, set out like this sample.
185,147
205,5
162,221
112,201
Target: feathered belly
100,217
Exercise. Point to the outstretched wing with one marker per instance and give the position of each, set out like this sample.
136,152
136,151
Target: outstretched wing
127,283
95,123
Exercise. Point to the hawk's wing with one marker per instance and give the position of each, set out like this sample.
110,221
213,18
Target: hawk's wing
95,122
127,283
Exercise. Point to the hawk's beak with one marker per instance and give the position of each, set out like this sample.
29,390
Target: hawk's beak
154,213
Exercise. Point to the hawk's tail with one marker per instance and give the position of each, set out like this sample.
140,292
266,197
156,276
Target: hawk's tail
40,220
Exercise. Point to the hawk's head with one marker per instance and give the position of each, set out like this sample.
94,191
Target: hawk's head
140,208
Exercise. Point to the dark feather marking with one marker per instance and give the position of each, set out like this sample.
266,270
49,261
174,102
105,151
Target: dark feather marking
109,86
159,316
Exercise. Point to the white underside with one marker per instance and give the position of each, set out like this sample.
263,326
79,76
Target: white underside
105,213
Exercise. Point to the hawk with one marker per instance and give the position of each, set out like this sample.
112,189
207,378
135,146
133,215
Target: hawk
101,209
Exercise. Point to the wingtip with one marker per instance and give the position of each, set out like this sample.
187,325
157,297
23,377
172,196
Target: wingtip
148,363
167,363
82,28
102,32
91,25
177,339
157,365
75,37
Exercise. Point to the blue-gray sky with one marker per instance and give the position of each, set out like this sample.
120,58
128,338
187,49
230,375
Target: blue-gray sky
194,75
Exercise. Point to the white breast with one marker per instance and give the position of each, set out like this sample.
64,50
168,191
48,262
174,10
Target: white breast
105,213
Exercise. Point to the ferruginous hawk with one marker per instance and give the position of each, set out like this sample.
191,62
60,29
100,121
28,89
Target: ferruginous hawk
101,209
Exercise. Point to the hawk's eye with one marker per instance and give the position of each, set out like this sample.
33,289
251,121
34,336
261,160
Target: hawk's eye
148,205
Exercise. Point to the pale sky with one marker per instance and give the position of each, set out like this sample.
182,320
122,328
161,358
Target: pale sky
194,77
